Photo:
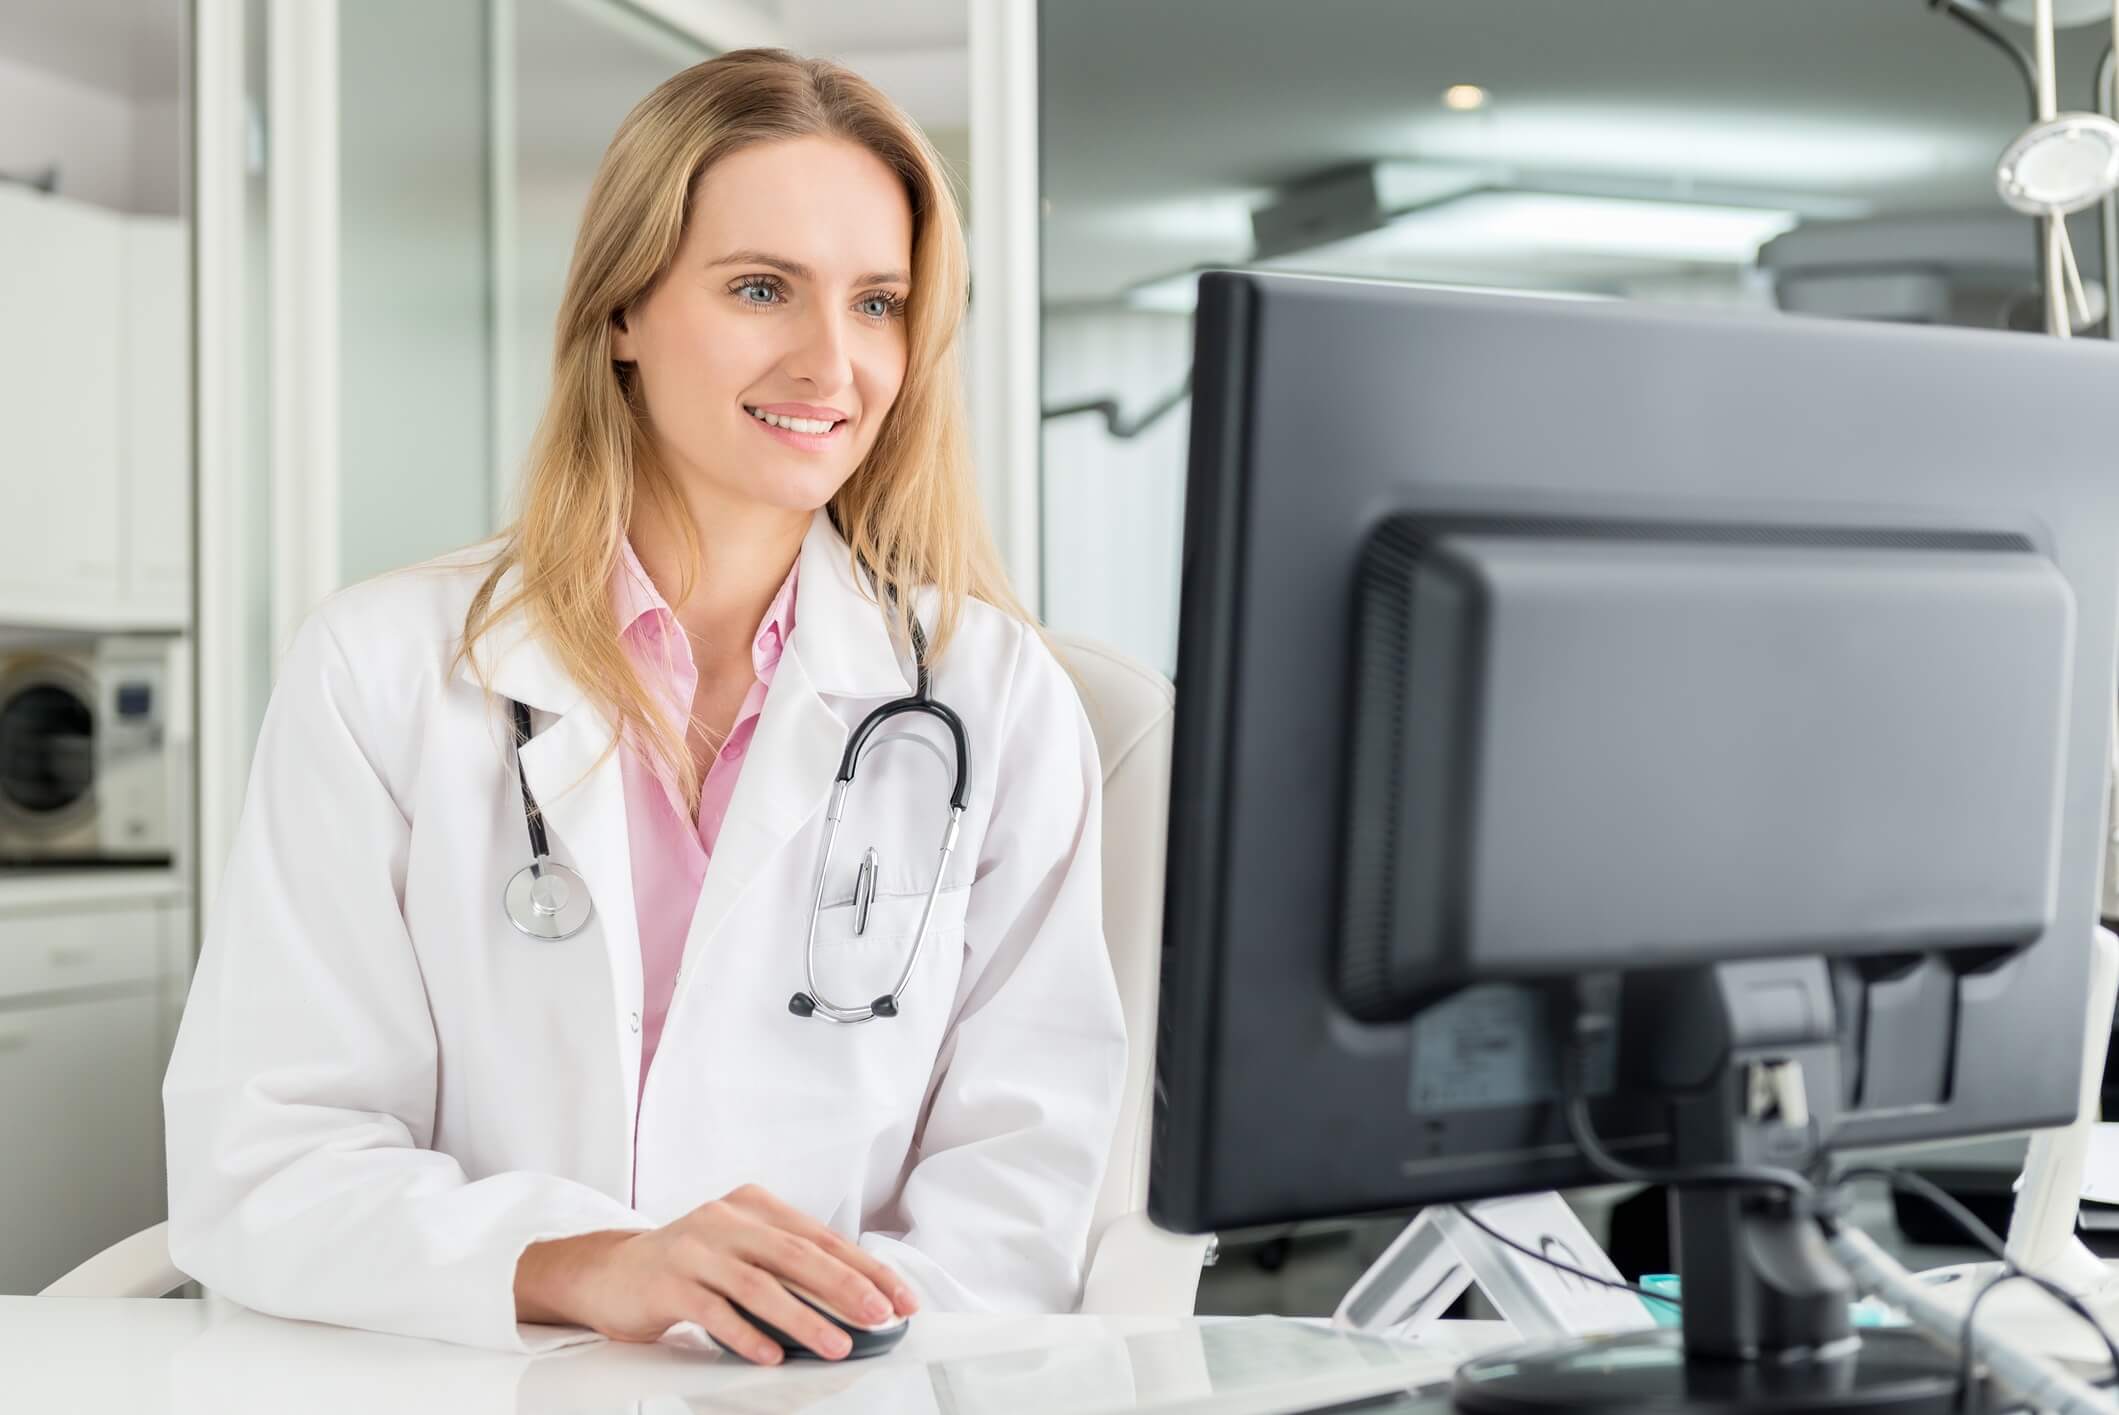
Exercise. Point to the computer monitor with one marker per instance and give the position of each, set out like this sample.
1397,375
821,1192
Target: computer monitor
1764,662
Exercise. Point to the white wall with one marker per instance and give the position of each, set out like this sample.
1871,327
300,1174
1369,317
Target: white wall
90,134
1113,509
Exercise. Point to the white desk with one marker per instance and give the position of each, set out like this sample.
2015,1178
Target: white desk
94,1356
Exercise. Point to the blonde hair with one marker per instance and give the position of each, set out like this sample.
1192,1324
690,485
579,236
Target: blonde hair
910,511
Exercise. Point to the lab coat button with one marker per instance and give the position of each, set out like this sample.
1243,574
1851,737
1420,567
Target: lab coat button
634,1021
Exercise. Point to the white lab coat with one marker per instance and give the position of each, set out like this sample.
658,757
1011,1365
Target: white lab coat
381,1093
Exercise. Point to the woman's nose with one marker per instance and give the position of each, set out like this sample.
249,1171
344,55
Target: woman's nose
821,358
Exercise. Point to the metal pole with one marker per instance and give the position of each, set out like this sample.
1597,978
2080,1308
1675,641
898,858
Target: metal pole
2057,321
2108,209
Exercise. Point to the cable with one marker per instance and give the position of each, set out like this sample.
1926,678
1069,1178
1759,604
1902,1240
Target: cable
1529,1252
1970,1222
2041,1384
1594,997
1907,1180
2026,66
2056,1291
1714,1176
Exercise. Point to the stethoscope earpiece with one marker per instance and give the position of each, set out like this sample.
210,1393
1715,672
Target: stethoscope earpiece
802,1004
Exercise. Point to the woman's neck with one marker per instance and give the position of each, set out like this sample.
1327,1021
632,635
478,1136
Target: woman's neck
746,550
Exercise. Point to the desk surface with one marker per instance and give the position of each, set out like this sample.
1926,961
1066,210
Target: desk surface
213,1358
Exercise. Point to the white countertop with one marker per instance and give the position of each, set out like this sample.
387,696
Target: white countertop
30,891
91,1355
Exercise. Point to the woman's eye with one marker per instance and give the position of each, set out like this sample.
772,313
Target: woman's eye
756,292
880,306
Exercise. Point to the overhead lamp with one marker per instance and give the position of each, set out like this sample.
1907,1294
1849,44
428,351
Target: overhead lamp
1464,98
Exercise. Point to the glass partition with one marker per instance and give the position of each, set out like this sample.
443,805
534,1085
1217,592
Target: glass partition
469,136
569,72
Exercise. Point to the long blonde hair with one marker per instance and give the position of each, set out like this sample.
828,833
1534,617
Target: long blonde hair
910,511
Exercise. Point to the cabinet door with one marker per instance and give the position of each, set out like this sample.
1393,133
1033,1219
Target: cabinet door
60,274
80,1089
157,433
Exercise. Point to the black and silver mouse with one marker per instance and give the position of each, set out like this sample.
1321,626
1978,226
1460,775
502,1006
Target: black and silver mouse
868,1339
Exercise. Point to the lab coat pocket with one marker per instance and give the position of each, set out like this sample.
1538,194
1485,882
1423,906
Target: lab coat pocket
859,958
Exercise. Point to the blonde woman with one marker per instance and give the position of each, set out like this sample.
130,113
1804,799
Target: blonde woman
422,1089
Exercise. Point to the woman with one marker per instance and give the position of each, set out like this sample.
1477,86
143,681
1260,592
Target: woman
396,1105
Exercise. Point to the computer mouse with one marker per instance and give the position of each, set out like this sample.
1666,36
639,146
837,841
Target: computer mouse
868,1339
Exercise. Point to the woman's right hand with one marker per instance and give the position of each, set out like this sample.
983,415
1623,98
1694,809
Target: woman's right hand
741,1248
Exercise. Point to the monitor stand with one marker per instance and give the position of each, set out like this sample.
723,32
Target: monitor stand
1442,1252
1766,1307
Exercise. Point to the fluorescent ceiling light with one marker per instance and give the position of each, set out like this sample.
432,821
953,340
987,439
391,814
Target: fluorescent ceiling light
1491,238
1759,148
2066,13
1498,226
1547,234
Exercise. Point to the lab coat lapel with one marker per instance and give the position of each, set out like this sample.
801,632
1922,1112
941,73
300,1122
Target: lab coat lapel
579,788
841,647
583,802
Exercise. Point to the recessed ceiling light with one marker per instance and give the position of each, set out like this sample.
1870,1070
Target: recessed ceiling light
1464,98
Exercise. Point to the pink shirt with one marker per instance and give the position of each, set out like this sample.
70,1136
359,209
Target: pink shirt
670,849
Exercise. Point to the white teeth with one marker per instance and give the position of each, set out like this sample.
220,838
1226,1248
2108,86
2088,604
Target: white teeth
815,427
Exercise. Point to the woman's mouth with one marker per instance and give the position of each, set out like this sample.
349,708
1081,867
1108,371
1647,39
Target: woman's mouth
809,434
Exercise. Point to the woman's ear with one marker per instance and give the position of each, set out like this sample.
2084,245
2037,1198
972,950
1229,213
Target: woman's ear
621,339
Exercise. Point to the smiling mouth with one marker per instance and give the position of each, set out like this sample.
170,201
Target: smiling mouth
812,427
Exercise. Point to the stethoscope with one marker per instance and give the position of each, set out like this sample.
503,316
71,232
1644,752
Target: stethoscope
547,900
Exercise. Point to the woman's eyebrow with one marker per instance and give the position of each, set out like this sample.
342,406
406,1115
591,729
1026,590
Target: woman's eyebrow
799,271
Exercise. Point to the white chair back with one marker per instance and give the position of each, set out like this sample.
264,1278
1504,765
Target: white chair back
1134,1267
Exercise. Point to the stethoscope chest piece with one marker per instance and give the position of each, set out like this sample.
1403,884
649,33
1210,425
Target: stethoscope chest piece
544,899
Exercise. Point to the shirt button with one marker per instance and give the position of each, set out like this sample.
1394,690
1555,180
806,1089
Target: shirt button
734,751
634,1021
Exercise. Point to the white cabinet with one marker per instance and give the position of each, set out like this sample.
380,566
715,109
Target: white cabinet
59,375
156,418
95,447
77,1083
86,998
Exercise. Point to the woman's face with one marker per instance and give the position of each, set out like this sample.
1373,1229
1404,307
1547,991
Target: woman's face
771,350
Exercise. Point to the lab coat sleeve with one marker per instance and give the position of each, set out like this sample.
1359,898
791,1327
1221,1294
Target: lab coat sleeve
301,1095
994,1214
